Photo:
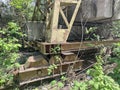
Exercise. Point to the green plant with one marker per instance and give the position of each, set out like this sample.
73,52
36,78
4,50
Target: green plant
9,48
90,30
80,86
51,68
20,4
58,84
23,9
100,81
115,29
54,51
53,82
91,35
34,10
63,78
116,59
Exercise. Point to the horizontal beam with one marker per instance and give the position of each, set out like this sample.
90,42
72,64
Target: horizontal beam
38,78
45,48
68,2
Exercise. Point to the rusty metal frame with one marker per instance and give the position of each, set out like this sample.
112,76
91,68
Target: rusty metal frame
60,35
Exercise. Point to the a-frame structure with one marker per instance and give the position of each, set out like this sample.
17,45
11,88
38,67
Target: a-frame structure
54,34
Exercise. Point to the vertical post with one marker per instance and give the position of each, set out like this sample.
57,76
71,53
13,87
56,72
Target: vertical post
55,15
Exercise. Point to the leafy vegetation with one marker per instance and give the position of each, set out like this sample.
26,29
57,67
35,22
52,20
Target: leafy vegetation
58,84
30,9
115,29
98,81
51,69
91,35
116,59
55,51
23,10
9,47
20,4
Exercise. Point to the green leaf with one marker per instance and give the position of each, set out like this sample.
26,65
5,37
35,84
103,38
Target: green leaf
63,78
75,88
2,81
91,82
96,85
60,84
53,82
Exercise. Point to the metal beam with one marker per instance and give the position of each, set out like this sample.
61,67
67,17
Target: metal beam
45,48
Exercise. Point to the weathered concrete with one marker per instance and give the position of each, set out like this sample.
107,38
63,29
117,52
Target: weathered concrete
35,30
92,10
104,9
116,14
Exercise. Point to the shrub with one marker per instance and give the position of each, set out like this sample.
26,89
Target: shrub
9,48
116,59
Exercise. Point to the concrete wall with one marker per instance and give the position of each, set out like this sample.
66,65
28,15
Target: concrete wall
116,14
35,30
92,10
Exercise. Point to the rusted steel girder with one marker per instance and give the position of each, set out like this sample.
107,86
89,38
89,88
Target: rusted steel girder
39,73
45,48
